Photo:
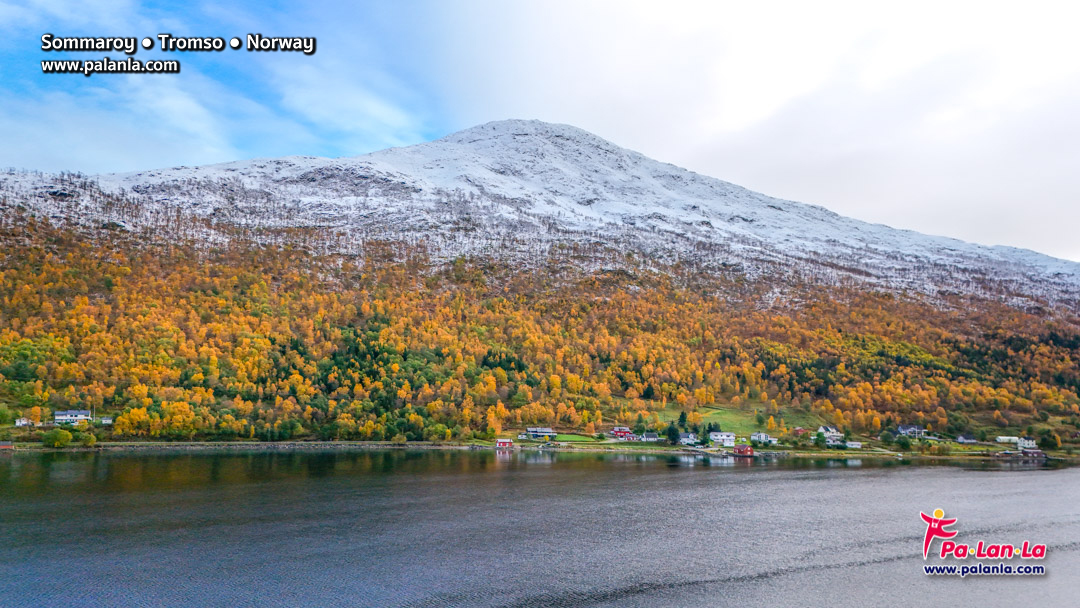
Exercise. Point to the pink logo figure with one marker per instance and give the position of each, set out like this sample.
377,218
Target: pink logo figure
935,528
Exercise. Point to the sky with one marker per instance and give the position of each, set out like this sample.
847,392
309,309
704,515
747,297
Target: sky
950,118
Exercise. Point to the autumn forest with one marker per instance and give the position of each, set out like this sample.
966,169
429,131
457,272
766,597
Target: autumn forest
186,342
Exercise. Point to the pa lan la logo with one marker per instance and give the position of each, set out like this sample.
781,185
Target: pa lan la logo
936,527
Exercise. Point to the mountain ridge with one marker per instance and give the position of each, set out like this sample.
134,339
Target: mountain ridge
517,189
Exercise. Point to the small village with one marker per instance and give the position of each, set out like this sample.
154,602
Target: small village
894,442
903,438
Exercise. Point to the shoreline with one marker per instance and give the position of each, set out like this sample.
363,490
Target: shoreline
349,446
286,446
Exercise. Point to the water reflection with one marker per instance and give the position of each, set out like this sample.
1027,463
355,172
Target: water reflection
523,527
139,470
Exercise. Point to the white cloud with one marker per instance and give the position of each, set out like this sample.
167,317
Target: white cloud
352,91
68,133
142,122
333,96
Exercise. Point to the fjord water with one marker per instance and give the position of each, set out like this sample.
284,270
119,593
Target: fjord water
475,528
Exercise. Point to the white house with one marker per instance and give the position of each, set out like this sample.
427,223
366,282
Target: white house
965,439
764,438
687,438
72,416
830,432
911,430
1007,439
650,437
1025,443
854,445
722,438
540,432
23,422
105,420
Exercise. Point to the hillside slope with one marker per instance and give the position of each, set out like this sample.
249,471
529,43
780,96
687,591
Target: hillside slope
588,286
515,190
275,343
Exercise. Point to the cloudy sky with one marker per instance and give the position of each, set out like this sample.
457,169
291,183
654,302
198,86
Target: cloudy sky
953,118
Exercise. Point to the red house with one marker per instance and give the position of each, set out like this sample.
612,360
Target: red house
504,443
623,433
744,450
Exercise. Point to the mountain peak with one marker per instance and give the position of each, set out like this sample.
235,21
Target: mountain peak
519,189
547,168
513,142
521,129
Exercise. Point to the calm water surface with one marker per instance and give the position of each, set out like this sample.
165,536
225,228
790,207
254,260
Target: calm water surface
456,528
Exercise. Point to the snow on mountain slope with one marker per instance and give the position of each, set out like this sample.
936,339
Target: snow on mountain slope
514,189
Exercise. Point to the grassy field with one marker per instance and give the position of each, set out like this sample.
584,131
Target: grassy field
743,422
572,437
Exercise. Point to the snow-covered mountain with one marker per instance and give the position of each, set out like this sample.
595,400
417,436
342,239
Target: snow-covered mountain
517,190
